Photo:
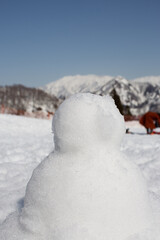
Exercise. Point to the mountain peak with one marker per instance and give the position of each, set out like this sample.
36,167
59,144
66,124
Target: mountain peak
137,94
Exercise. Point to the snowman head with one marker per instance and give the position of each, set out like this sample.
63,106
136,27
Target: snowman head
85,121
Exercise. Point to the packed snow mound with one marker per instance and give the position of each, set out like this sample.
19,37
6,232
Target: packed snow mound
86,189
85,120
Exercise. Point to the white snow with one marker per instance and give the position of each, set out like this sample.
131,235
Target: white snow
69,85
87,188
24,142
147,79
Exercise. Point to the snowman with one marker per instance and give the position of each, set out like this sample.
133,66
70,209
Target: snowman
86,189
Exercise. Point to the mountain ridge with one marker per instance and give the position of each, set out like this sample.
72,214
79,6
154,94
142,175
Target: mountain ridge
139,95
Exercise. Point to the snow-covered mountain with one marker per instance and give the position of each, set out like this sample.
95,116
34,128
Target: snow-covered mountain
69,85
138,95
148,79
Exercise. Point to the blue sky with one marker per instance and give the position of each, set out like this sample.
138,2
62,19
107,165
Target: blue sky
44,40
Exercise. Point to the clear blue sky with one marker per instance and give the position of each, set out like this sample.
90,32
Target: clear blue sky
43,40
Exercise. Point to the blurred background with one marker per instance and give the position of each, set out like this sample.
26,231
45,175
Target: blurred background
53,49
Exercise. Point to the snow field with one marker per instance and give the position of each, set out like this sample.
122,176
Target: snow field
144,150
24,142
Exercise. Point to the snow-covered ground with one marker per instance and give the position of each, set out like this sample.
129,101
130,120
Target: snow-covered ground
24,142
144,150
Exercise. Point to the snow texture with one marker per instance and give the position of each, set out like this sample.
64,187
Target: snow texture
87,188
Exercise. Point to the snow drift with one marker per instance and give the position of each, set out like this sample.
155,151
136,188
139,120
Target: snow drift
86,189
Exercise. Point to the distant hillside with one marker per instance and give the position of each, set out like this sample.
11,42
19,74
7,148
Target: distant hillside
135,96
22,100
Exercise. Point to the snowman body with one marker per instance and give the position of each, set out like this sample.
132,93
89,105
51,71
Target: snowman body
86,189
